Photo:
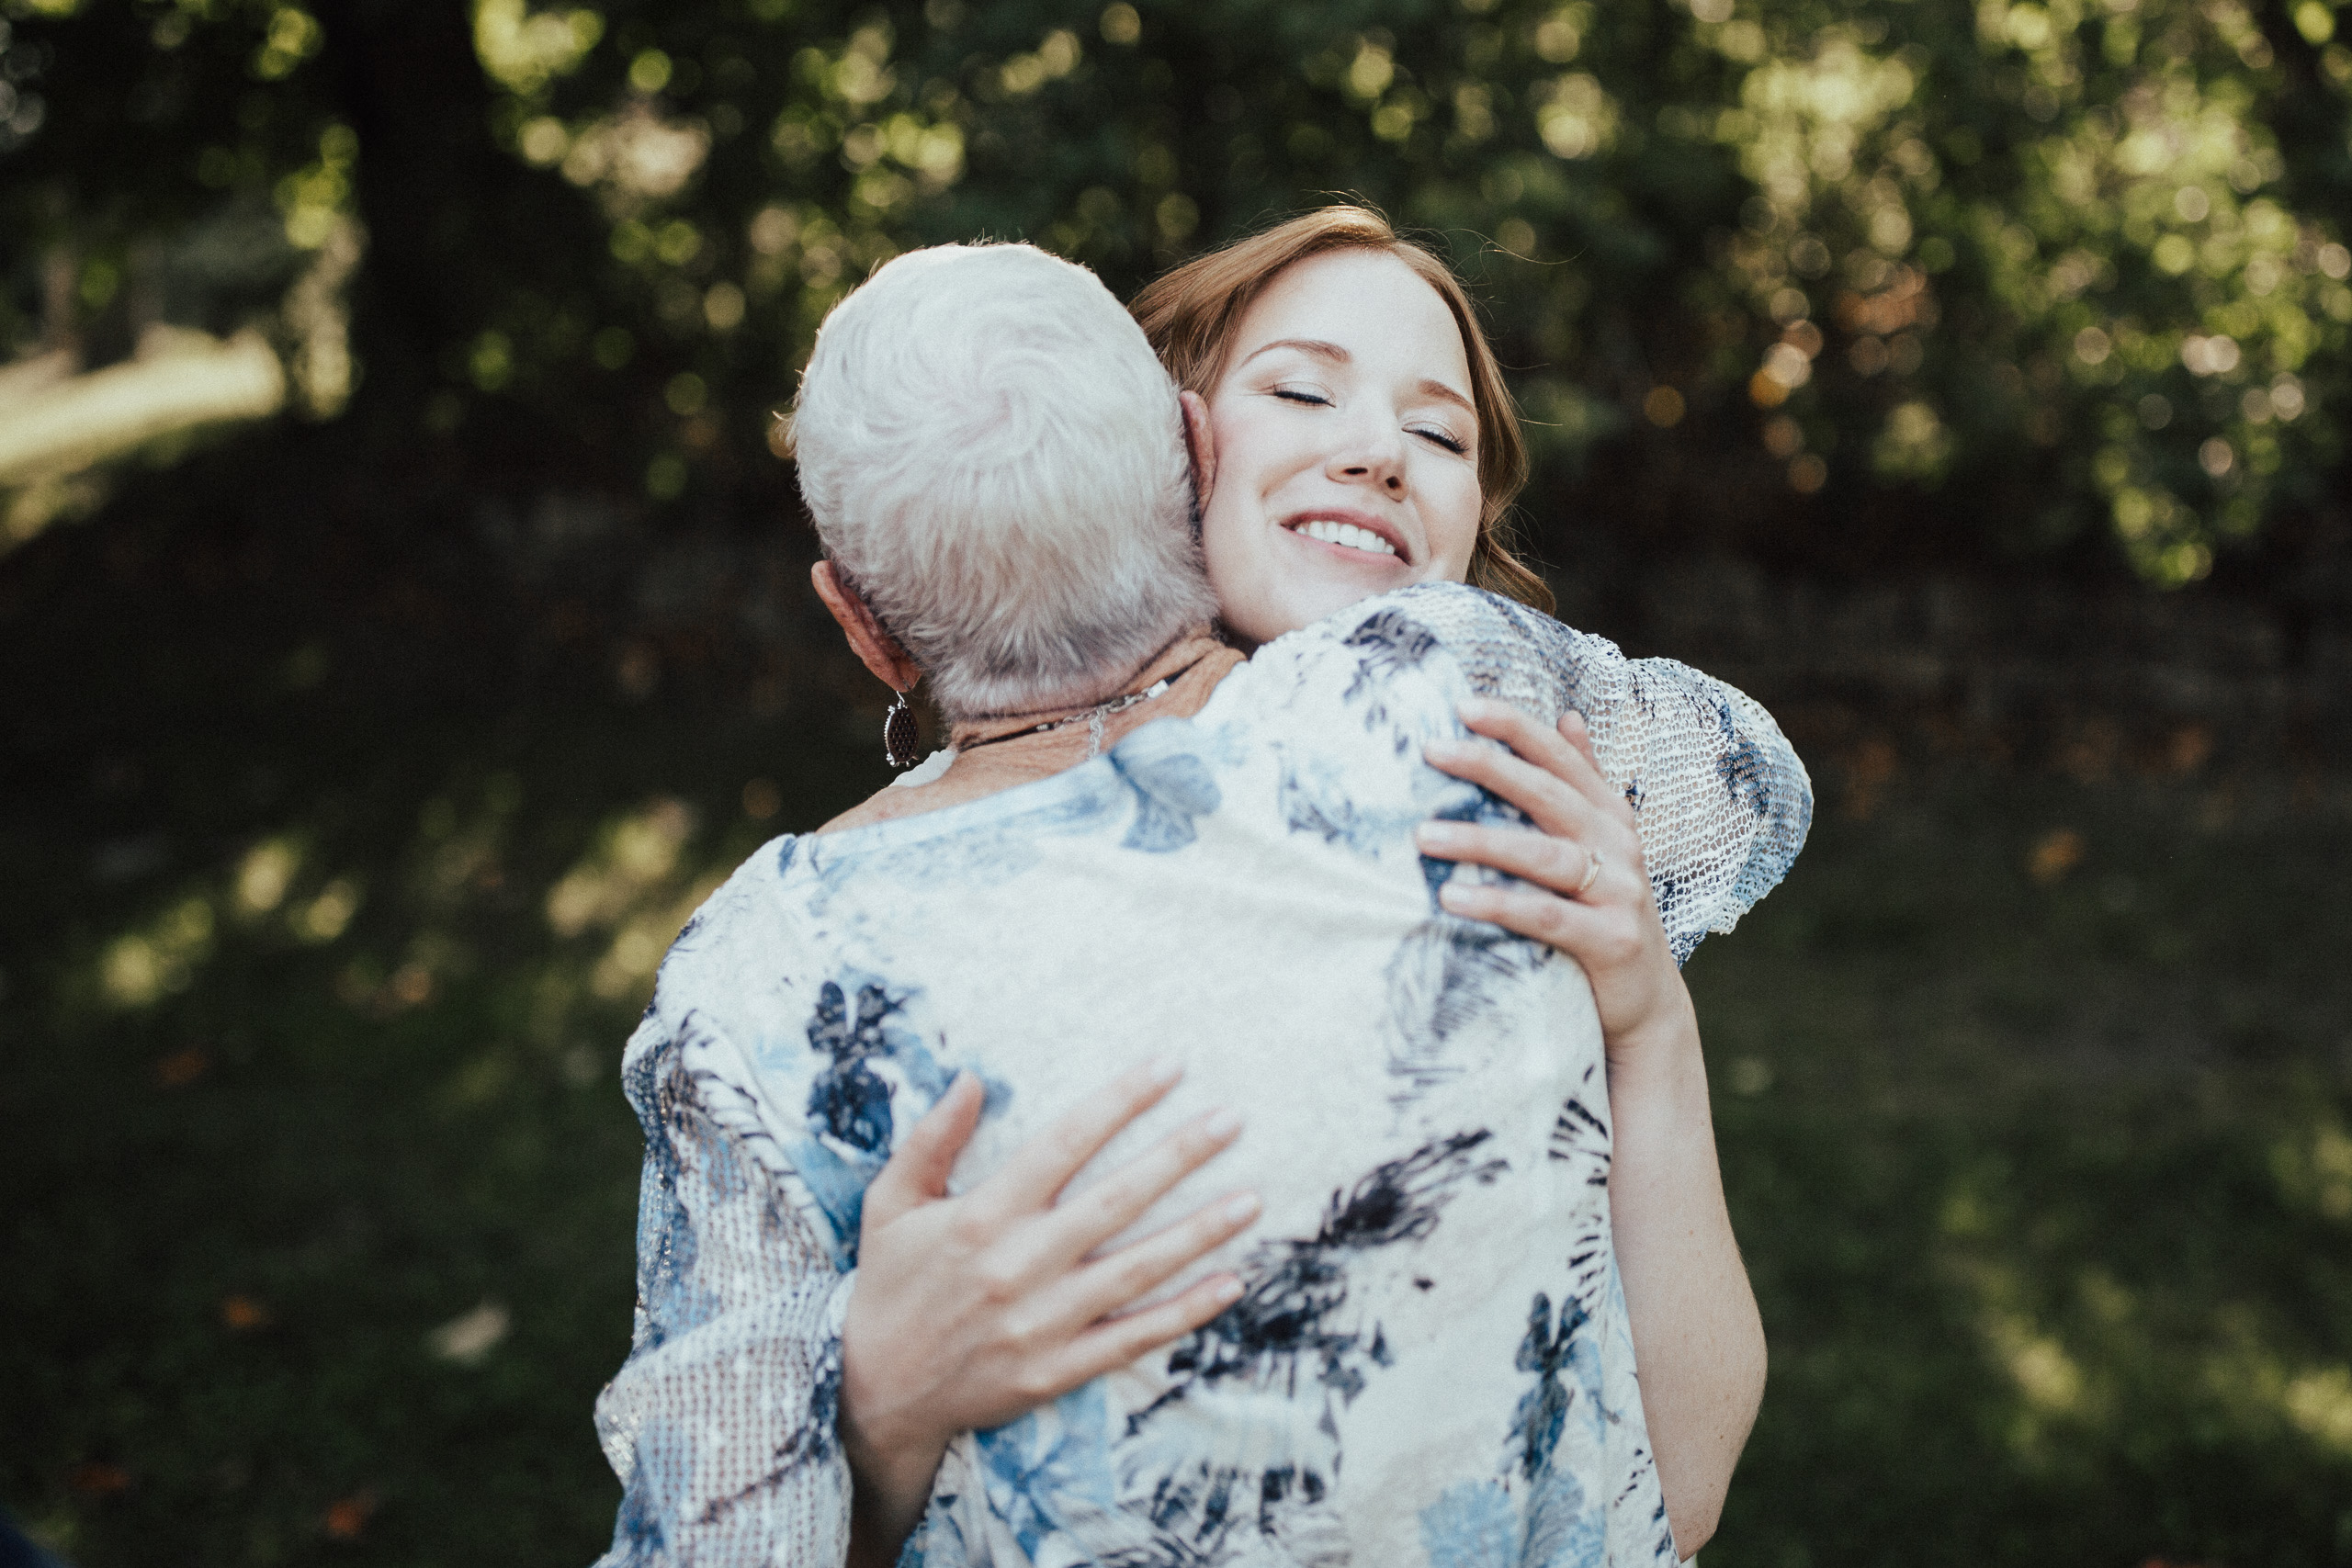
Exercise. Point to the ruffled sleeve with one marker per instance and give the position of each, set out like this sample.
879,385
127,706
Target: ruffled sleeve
1721,798
720,1424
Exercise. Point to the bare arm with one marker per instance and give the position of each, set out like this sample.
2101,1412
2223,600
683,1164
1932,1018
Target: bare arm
969,1310
1697,1338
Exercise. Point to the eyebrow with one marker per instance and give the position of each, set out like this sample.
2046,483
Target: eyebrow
1333,354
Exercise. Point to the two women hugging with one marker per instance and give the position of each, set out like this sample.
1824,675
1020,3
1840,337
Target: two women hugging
1238,1103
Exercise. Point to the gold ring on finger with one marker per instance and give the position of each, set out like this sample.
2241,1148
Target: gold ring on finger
1591,874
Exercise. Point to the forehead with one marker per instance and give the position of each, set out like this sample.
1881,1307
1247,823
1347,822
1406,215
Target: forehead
1385,315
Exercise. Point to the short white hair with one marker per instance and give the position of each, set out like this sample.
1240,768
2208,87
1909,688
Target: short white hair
995,459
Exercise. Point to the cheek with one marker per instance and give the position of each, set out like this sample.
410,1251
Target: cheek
1450,511
1233,516
1233,550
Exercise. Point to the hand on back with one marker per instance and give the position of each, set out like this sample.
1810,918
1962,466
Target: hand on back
969,1310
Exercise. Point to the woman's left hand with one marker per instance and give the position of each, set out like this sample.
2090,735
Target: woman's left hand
1587,887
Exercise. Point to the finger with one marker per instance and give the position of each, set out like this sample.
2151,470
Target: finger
1105,1286
1553,805
1522,732
1116,1341
1103,1210
918,1168
1043,1167
1559,863
1547,747
1578,734
1594,938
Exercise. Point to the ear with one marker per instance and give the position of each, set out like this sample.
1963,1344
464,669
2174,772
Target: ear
1200,442
877,649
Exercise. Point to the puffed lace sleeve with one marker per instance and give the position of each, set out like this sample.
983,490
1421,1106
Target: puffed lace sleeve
1721,801
720,1424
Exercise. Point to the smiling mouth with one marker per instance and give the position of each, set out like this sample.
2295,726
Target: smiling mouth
1346,536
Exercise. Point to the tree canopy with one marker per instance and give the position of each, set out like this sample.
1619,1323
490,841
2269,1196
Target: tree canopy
1870,276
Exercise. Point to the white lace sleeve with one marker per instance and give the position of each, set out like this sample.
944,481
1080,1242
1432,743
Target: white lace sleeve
720,1424
1723,802
1721,798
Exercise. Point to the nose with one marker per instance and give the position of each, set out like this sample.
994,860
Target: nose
1373,454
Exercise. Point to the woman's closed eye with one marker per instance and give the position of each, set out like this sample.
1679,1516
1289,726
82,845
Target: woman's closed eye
1437,435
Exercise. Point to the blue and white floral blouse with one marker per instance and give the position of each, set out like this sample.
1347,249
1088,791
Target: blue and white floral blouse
1431,1363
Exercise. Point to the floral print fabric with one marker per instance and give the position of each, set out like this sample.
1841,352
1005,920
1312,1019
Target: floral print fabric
1431,1363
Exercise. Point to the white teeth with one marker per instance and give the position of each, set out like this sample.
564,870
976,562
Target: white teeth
1348,535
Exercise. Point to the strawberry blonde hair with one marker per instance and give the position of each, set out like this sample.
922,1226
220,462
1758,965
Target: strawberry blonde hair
1190,314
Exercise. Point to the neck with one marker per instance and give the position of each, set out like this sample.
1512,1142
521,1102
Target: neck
1053,739
1193,665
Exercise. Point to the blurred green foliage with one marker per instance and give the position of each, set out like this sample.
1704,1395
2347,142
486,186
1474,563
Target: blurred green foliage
1993,275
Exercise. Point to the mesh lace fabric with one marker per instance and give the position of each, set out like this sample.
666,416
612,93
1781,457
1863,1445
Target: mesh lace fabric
1721,801
721,1427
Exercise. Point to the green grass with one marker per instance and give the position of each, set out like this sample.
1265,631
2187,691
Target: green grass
2046,1185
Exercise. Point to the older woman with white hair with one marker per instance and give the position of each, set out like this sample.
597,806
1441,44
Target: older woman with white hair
1432,1299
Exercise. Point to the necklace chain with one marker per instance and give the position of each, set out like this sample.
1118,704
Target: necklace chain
1093,717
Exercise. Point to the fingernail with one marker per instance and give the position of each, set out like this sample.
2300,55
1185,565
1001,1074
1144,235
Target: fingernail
1164,1069
1438,835
1243,1209
1454,897
1228,1290
1223,1123
1435,749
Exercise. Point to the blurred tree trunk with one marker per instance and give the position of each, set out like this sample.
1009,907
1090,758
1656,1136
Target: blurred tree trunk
434,191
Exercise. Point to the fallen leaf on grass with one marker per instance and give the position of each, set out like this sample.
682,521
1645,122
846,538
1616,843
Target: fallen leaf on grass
182,1067
243,1312
470,1337
98,1479
347,1517
2054,854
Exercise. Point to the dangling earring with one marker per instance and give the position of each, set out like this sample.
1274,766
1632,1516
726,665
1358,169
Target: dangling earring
900,743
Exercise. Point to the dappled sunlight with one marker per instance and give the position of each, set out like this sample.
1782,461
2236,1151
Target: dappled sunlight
2140,236
2092,1362
181,379
627,966
324,917
2320,1403
634,857
526,50
629,894
264,895
263,875
637,885
139,967
2313,1167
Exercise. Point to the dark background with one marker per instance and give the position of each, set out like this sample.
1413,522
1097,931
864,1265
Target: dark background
1967,383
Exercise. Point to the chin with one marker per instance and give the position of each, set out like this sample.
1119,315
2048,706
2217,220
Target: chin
1303,604
1301,595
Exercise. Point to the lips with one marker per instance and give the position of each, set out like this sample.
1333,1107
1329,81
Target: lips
1351,531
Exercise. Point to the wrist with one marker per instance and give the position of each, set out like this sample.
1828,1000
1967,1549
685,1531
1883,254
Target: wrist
1662,1042
895,1476
886,1443
886,1448
889,1493
1658,1071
